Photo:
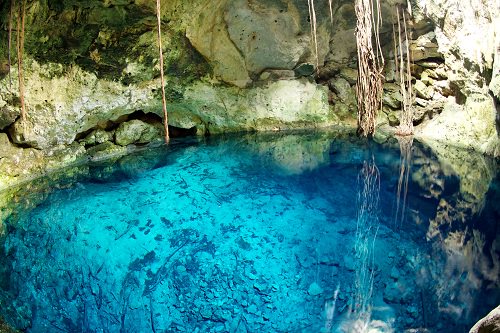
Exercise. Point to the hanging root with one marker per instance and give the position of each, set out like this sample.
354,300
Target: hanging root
405,145
331,11
314,35
369,87
163,98
406,120
20,50
10,41
367,225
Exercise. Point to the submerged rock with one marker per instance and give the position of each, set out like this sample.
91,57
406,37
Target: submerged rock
314,289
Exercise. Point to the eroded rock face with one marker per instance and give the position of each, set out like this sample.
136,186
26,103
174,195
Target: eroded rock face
61,105
469,125
279,105
243,38
245,65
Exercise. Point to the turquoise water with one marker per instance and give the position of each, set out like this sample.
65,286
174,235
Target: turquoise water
262,233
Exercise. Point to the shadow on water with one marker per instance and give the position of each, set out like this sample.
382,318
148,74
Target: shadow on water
296,232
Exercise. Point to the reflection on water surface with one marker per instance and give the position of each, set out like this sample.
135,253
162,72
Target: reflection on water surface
269,233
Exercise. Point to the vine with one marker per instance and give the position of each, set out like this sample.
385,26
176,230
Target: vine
163,98
370,65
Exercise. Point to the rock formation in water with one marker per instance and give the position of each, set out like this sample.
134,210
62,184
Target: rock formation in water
489,324
92,75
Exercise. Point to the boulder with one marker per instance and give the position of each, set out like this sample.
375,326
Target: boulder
422,90
425,47
241,39
470,125
393,118
6,148
314,289
350,74
97,136
267,36
489,324
105,150
137,131
9,112
343,89
392,96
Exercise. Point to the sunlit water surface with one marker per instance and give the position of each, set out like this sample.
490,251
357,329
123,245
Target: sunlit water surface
262,233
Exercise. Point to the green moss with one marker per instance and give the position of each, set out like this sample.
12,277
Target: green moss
103,39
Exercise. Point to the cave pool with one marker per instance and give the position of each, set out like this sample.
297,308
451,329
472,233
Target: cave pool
296,232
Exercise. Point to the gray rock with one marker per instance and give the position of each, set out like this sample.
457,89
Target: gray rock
350,74
97,136
314,289
392,99
6,148
136,131
422,90
105,150
304,70
206,313
425,47
343,89
393,118
394,273
8,113
489,324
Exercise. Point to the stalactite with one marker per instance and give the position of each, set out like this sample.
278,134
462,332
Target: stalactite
370,66
163,98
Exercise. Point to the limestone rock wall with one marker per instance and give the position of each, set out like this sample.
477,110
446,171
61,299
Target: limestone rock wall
467,34
237,66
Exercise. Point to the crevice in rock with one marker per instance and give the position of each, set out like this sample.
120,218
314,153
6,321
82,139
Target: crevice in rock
150,118
460,97
177,132
111,125
436,60
496,103
82,135
9,129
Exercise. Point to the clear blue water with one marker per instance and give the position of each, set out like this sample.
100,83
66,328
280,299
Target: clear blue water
260,233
